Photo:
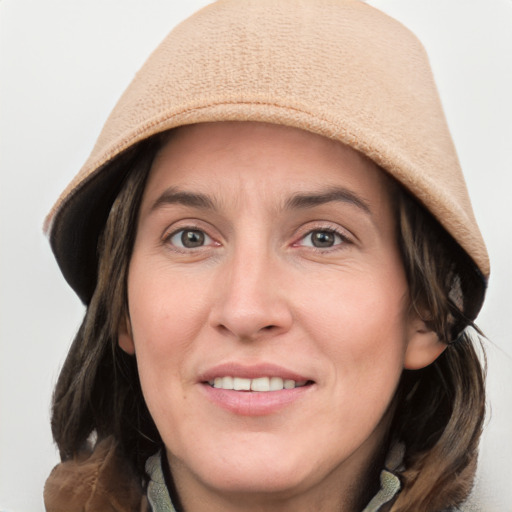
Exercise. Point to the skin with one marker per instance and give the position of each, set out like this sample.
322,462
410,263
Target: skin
258,290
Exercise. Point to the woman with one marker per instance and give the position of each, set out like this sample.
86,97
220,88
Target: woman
279,261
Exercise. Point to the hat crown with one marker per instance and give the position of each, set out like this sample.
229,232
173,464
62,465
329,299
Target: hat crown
338,68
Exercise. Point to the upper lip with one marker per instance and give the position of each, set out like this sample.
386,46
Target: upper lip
251,371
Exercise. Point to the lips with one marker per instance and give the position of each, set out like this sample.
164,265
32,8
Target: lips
254,390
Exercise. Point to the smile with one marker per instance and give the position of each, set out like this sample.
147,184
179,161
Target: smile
260,384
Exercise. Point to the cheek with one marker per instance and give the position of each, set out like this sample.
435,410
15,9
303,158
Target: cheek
166,313
361,325
165,306
365,344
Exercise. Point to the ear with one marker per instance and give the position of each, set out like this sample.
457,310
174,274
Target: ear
125,336
423,346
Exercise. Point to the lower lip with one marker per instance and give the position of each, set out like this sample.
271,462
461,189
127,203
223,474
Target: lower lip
254,403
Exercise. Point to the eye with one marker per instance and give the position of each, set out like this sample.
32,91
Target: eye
322,239
189,238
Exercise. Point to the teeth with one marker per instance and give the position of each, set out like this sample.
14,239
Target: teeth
223,382
261,384
240,384
276,383
289,384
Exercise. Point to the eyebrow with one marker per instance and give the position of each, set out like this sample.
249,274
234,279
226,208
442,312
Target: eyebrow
299,201
310,200
175,196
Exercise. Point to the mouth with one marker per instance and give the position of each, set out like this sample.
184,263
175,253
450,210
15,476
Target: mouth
255,389
259,384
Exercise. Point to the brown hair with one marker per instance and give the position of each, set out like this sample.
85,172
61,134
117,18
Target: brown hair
440,408
98,390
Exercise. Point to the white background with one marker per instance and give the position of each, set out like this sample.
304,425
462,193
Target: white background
64,63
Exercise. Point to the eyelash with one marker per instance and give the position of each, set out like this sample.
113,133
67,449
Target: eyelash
342,239
208,241
167,239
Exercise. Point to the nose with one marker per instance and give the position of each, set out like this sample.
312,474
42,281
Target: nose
251,300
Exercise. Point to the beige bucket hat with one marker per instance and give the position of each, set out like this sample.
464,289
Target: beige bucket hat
338,68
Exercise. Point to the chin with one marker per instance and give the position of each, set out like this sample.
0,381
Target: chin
253,470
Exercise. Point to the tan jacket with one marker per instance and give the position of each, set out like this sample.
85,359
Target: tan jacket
101,481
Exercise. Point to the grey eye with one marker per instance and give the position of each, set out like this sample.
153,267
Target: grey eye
190,238
322,239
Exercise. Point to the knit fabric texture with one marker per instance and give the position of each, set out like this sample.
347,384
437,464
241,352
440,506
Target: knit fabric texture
338,68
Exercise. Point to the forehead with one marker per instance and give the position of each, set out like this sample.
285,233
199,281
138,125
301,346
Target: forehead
220,158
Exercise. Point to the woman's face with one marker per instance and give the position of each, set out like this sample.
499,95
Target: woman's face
266,261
